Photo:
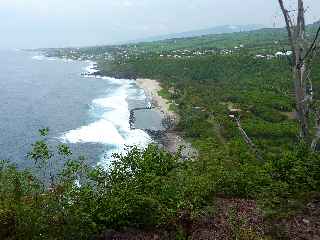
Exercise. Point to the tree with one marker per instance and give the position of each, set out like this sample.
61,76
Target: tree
302,51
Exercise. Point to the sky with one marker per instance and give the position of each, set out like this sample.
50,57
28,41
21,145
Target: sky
62,23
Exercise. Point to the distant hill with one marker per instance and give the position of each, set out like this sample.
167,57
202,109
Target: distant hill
202,32
314,25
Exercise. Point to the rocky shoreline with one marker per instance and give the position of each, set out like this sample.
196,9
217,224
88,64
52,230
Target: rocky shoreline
169,138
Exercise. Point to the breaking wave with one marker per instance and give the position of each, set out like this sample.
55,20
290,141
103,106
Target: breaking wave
111,113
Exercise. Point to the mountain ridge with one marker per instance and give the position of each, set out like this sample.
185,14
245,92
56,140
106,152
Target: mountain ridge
202,32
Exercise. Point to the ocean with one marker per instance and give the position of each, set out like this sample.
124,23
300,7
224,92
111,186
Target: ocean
90,114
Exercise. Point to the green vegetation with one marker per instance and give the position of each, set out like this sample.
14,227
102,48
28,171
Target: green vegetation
141,189
207,79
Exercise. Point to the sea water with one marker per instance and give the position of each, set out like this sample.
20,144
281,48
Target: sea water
90,114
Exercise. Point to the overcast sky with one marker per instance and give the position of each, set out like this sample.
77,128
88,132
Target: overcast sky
58,23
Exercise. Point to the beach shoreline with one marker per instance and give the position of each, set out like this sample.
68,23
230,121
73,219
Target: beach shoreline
151,88
172,139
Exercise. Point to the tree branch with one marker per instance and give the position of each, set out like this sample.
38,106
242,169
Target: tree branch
289,24
300,19
312,47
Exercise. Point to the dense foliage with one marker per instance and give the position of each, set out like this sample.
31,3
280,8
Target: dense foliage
151,188
140,189
144,189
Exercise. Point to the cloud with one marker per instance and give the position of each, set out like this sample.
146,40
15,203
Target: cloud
128,4
37,23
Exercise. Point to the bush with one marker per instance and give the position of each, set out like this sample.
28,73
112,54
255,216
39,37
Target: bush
142,188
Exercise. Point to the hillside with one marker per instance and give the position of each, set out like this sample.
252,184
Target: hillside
231,191
203,32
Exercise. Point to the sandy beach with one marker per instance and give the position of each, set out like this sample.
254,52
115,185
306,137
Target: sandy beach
151,88
172,140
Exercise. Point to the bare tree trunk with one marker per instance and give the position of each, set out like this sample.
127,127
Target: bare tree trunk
296,35
302,100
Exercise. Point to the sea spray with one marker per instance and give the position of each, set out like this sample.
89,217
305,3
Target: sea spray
111,113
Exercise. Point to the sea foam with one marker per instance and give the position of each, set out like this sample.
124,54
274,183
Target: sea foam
38,57
101,131
112,114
